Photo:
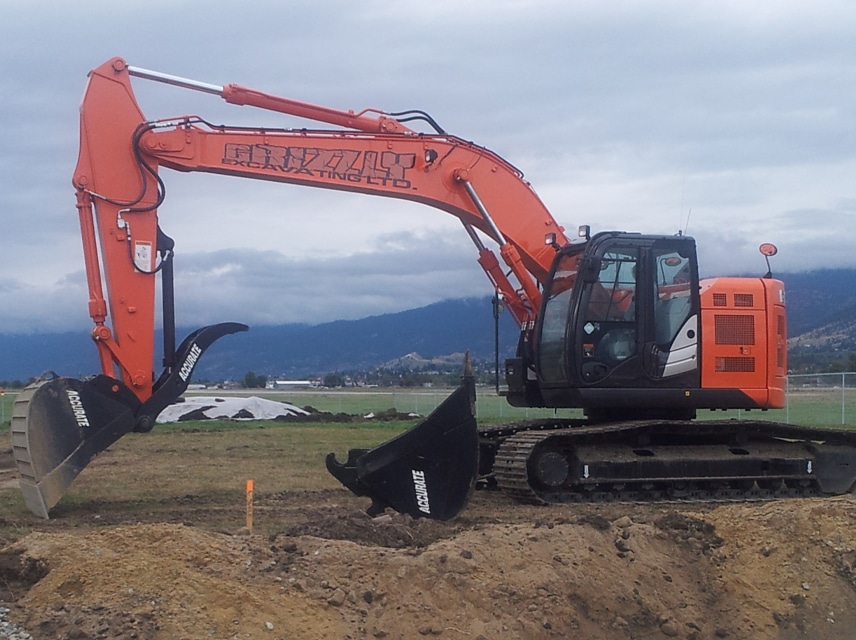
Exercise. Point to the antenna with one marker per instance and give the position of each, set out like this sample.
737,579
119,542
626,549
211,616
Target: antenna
683,232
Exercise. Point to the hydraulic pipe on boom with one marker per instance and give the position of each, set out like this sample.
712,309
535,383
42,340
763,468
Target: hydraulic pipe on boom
243,96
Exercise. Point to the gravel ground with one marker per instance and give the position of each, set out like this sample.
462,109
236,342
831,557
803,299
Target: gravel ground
10,631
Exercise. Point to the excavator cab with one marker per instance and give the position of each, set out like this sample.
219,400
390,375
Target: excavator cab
627,330
619,320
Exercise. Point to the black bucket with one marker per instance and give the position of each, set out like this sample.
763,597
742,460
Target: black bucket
428,471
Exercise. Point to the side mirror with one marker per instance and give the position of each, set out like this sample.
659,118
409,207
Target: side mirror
768,250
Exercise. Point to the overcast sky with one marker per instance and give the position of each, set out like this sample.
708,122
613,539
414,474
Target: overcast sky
733,121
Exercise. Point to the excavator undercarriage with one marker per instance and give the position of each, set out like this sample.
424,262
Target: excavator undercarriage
553,461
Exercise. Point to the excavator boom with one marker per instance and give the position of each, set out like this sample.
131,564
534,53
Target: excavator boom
60,424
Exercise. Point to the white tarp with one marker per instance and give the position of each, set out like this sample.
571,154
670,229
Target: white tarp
214,407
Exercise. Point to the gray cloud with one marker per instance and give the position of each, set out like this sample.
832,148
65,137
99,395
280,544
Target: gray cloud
734,120
271,288
401,271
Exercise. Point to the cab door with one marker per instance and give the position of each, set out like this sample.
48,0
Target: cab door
672,353
636,323
607,323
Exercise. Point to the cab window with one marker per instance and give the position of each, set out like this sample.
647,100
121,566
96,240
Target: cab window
555,319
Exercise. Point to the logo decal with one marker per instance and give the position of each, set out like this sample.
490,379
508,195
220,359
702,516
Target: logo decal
77,408
373,168
189,362
421,488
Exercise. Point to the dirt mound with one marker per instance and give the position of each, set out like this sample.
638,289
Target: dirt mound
779,570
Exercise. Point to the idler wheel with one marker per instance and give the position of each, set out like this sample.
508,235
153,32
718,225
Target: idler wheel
551,469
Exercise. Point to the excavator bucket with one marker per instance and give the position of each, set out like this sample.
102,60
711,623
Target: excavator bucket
429,470
58,426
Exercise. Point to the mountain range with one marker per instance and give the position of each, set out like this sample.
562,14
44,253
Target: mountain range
292,350
821,311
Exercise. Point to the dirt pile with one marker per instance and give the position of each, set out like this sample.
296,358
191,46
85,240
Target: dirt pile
775,570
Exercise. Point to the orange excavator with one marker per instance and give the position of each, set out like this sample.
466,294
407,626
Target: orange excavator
617,323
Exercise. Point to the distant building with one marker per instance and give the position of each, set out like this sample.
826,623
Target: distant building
290,384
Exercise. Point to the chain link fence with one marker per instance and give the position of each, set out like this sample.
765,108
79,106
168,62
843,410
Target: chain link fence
824,399
821,398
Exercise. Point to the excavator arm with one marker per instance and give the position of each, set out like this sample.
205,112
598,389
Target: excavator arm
61,423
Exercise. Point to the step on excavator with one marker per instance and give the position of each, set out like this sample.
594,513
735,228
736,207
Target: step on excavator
618,324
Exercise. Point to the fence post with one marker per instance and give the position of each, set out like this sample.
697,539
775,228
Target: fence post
788,399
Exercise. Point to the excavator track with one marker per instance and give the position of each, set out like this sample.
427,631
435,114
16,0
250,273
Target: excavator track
555,461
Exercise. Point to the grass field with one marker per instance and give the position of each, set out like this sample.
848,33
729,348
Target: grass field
210,461
814,407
